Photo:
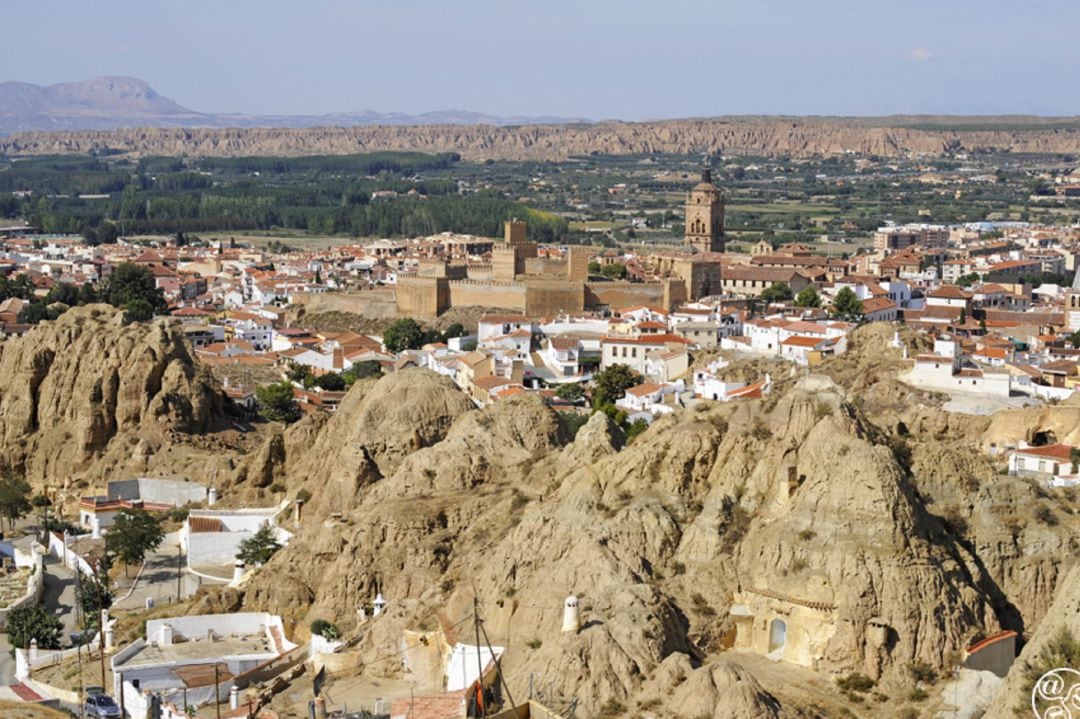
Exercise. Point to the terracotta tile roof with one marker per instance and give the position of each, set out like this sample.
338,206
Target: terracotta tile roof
1052,451
205,524
645,389
950,292
437,706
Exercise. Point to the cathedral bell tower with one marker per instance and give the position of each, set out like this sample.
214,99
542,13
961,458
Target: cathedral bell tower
705,215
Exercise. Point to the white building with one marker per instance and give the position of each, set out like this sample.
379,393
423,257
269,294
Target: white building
196,660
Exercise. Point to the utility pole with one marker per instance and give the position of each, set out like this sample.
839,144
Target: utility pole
101,630
498,669
217,692
479,661
179,570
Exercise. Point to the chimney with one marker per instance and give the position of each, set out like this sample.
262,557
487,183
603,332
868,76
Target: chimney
379,604
571,621
234,697
211,497
238,571
165,635
298,512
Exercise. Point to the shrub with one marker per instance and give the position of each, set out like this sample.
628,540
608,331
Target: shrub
324,629
1045,515
304,496
806,535
612,708
855,683
534,644
917,695
678,568
922,672
759,431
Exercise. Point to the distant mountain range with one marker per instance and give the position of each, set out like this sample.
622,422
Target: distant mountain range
107,103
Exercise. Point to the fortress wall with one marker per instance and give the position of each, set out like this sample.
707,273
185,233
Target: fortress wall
545,267
422,296
507,295
545,298
619,295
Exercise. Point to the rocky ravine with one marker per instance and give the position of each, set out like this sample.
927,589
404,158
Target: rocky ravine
797,137
886,511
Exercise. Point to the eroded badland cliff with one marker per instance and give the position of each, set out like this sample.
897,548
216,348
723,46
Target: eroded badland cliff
873,522
797,137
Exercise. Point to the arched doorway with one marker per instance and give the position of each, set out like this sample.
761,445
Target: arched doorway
777,635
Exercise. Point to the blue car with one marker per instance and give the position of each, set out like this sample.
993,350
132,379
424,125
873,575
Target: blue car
101,706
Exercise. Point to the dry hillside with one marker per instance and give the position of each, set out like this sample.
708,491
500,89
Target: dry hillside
797,137
842,489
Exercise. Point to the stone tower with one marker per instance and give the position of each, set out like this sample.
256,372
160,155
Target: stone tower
705,215
1072,304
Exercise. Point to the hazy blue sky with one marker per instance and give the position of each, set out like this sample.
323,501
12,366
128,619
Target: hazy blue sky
629,59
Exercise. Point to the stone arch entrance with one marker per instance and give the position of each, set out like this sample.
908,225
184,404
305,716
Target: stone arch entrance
777,635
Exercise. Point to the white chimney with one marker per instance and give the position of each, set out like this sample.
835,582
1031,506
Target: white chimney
95,527
238,571
571,620
211,497
379,604
165,635
234,697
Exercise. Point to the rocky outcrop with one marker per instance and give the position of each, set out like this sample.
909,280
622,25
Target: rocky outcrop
86,398
800,500
796,137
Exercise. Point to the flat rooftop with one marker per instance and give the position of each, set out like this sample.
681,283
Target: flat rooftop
202,651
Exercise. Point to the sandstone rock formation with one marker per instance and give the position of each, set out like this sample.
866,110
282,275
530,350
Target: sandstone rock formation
877,527
797,137
85,398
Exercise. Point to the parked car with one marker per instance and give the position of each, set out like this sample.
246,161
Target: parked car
101,706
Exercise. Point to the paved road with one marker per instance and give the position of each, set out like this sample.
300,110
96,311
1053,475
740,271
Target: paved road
158,579
60,595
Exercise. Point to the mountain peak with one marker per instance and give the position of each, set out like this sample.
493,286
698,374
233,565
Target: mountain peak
117,101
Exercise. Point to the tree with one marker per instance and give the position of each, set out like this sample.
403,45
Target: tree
138,310
14,498
42,502
362,370
614,271
276,402
778,292
63,292
594,267
847,305
571,392
134,533
455,330
635,428
808,298
404,334
1074,339
88,295
130,282
93,594
259,547
611,384
34,312
33,621
330,382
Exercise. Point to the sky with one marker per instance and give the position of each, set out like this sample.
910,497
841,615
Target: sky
597,59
